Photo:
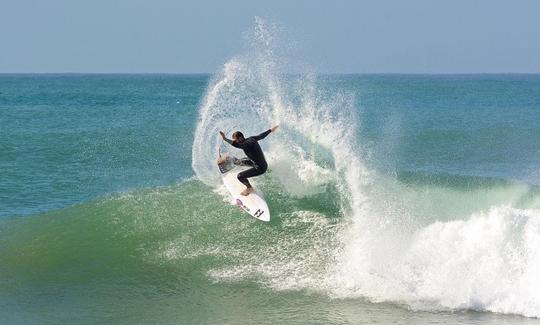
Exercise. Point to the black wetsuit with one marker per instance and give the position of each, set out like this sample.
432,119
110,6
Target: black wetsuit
255,157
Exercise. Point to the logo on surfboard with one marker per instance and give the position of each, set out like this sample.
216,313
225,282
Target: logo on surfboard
241,204
257,213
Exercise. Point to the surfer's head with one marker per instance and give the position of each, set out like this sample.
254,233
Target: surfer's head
238,136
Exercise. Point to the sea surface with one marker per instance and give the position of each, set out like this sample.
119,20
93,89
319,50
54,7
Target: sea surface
403,199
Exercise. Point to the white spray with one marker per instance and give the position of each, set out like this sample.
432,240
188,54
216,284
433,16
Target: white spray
486,261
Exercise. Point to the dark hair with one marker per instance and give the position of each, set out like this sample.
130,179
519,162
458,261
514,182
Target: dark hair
238,134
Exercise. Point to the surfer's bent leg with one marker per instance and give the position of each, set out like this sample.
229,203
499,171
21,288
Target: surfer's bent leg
252,172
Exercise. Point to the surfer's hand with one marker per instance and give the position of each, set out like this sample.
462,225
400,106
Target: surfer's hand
222,134
273,129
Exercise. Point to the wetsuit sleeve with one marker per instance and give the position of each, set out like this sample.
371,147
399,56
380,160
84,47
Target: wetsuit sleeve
262,135
232,143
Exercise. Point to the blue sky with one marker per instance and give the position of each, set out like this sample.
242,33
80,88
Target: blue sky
416,36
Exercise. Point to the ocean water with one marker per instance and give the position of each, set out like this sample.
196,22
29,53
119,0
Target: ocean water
406,199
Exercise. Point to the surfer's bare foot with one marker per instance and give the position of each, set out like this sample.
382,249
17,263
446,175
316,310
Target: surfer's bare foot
247,191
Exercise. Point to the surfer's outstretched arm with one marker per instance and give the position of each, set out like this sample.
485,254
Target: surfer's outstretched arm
262,135
229,141
265,133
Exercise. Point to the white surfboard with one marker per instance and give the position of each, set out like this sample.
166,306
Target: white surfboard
254,203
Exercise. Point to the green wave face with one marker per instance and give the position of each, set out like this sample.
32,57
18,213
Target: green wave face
162,250
181,253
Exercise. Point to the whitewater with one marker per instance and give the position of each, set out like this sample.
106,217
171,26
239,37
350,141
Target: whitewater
390,243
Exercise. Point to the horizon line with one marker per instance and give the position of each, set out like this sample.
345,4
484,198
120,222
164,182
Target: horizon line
320,73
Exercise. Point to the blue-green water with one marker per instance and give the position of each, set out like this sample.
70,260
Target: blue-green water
428,212
71,138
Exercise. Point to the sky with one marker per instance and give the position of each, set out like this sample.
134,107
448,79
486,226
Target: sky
167,36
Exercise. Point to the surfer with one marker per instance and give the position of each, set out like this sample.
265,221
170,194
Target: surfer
255,156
